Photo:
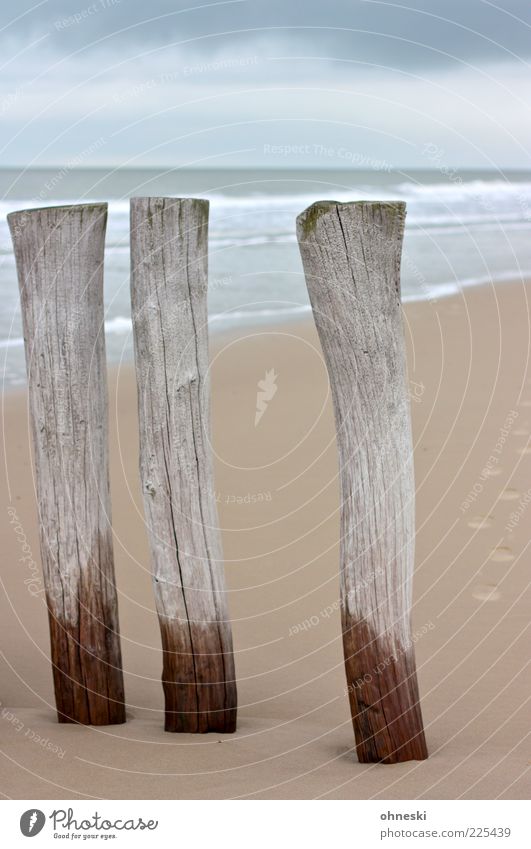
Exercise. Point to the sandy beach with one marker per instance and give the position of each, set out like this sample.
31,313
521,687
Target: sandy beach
277,493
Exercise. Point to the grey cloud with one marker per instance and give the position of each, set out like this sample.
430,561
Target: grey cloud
411,35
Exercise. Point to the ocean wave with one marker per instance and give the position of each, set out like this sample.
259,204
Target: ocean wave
457,187
246,225
247,315
121,325
436,192
15,342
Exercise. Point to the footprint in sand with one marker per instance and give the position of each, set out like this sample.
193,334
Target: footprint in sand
509,495
502,554
486,592
480,522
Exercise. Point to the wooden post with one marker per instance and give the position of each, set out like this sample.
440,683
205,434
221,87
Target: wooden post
351,257
59,257
169,245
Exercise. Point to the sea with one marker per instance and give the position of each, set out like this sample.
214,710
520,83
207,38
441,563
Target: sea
463,228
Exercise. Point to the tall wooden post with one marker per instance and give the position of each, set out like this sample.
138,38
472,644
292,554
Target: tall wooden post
351,257
59,257
169,246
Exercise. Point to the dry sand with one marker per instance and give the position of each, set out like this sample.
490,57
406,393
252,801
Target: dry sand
278,500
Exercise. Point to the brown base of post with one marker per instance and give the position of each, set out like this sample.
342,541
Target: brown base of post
88,688
384,698
87,662
199,686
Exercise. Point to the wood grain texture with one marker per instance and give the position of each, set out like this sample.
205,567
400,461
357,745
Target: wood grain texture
59,257
351,256
169,245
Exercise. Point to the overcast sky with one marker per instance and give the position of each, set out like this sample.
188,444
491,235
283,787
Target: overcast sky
273,83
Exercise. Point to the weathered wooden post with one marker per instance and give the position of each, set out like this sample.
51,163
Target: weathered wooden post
169,245
351,257
59,257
